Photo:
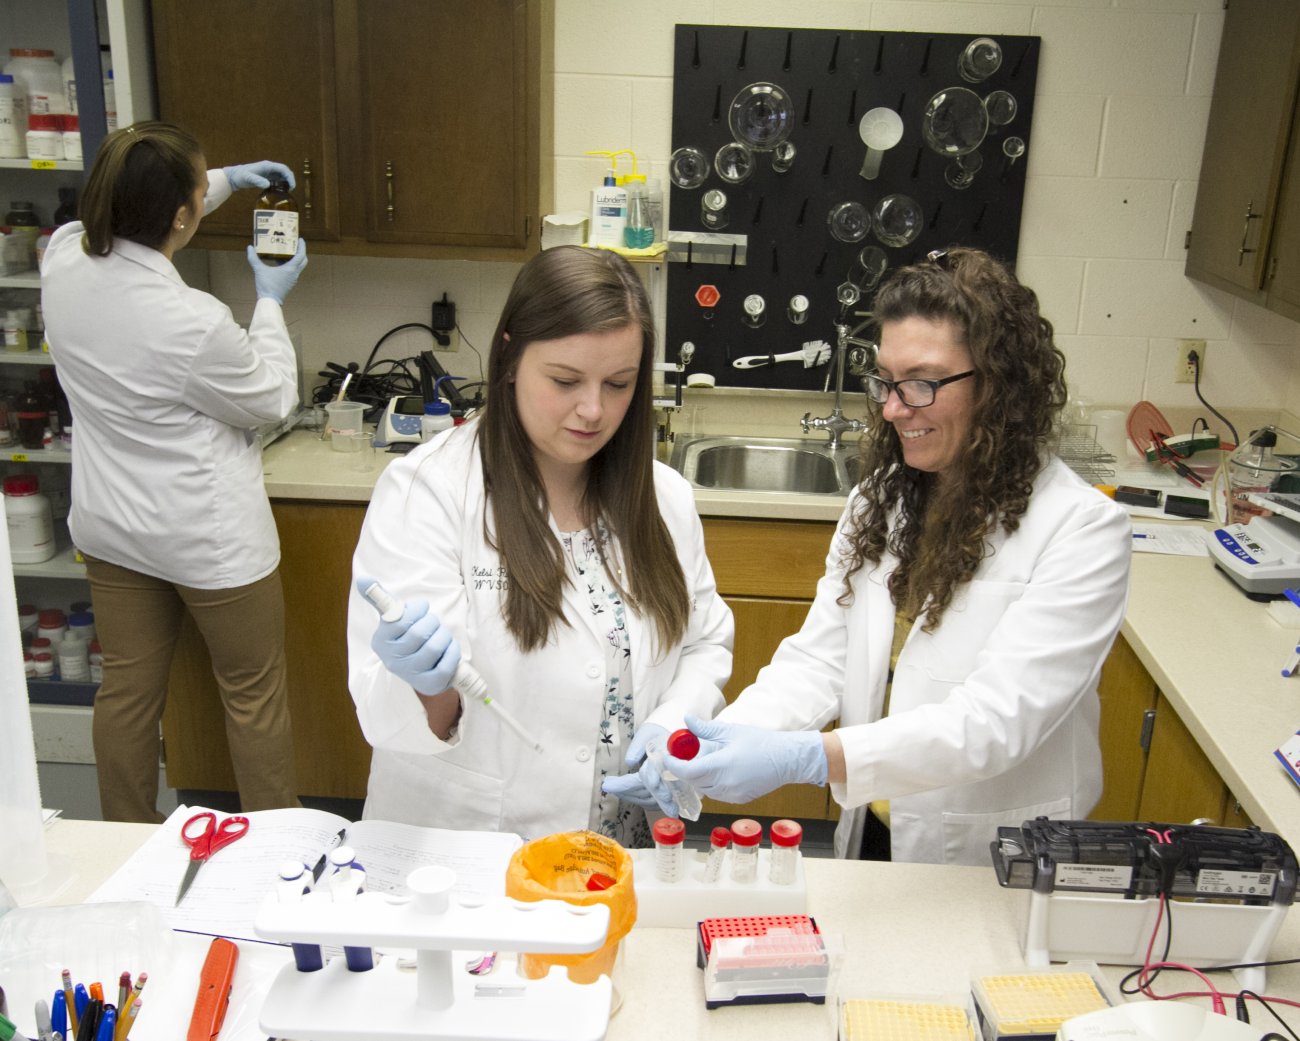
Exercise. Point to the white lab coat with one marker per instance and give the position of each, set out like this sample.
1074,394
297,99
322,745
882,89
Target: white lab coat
993,718
166,390
424,538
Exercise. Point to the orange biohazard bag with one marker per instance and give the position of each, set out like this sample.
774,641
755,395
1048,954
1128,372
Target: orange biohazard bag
558,867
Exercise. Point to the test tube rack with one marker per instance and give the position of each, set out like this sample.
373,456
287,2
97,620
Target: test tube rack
439,999
689,900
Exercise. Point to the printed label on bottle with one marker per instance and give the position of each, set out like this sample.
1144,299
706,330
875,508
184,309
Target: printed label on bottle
275,233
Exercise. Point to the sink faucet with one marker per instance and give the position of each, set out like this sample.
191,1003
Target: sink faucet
845,336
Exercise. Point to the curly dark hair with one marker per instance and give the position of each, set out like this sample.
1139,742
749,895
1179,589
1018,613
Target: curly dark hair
939,531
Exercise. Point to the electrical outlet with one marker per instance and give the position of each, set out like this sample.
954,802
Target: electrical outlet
1184,370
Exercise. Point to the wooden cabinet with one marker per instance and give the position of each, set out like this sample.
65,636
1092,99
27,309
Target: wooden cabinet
767,571
414,127
1154,769
331,757
1245,235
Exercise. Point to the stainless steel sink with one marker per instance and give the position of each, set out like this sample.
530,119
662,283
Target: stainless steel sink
765,464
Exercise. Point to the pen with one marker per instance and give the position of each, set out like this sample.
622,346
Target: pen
324,857
1293,666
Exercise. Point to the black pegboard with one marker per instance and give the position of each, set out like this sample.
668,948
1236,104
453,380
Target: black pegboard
832,78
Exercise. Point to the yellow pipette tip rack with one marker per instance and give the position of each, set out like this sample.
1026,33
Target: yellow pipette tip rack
869,1019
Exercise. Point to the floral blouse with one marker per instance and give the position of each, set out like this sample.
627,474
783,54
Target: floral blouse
616,721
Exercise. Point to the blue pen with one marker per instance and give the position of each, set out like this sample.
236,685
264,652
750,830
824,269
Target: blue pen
59,1013
107,1024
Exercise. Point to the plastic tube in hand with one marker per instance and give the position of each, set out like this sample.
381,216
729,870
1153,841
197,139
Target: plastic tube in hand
467,679
686,797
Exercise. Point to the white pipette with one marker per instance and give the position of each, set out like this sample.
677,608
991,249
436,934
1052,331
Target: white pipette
467,679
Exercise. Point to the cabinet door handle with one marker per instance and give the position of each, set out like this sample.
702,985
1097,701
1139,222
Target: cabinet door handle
1148,726
1245,232
306,189
388,178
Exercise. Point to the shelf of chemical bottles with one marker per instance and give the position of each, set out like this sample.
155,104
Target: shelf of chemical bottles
23,280
41,164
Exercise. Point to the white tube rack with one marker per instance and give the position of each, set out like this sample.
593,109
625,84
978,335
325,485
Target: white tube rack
690,899
440,999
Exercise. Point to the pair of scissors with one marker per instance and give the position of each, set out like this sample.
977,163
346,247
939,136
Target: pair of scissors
205,839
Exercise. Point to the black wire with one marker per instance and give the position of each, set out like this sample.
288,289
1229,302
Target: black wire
1196,385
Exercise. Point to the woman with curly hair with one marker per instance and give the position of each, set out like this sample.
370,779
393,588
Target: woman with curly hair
972,591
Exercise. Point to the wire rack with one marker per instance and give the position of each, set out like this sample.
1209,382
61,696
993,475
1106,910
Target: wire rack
1078,448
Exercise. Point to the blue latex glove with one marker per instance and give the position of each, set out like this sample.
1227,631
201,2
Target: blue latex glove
257,175
417,647
738,763
275,281
643,787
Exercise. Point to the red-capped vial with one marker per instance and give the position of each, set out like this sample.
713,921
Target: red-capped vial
746,834
669,834
786,837
719,840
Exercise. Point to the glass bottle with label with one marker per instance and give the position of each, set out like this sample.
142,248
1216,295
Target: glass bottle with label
275,224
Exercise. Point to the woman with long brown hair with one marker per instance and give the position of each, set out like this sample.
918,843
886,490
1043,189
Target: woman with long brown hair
972,592
542,543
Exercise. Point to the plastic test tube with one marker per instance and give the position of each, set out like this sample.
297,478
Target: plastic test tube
294,883
349,879
786,836
746,834
686,797
669,833
718,843
467,679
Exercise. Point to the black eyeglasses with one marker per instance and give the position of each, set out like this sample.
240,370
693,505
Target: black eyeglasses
912,393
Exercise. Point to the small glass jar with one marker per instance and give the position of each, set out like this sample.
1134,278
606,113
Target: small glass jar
786,837
669,833
746,834
719,840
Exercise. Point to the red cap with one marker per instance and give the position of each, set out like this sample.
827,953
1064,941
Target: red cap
682,744
21,484
746,832
721,838
597,881
668,831
786,833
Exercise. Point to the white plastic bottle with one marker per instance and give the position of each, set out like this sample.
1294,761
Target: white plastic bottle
29,519
13,119
608,213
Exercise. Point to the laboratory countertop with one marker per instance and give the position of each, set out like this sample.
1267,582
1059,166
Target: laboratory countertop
907,929
1216,655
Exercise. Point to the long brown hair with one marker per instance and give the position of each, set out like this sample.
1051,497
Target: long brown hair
562,292
142,175
940,531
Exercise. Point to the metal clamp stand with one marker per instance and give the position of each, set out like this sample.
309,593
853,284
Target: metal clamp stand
386,1004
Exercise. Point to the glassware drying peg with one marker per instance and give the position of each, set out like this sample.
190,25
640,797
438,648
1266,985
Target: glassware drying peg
755,310
798,309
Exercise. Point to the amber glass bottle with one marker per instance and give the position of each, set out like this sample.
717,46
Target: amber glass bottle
275,224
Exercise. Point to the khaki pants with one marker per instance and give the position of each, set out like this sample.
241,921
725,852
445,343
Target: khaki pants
137,620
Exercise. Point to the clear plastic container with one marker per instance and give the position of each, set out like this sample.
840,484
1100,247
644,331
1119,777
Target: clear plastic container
786,837
746,834
669,833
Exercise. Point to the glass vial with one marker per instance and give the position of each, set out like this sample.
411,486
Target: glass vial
275,224
786,837
746,834
669,833
718,843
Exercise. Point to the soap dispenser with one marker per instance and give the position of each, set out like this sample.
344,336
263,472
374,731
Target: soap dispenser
639,232
608,208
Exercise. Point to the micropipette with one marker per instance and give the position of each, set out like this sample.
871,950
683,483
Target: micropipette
467,679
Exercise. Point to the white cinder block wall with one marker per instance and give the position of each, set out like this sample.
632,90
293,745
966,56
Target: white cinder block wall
1123,95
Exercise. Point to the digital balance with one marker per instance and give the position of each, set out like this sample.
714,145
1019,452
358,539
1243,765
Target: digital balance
1262,553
